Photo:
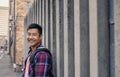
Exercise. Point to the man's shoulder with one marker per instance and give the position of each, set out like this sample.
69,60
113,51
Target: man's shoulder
42,51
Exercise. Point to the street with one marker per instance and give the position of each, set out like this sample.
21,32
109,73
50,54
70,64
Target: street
6,69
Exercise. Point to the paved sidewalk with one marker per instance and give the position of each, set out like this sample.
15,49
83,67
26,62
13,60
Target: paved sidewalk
6,69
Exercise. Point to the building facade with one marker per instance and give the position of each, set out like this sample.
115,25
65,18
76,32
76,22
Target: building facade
83,36
3,24
17,12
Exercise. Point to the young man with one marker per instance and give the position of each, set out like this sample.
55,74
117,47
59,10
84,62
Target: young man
42,59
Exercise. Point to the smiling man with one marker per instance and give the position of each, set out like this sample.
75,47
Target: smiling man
39,61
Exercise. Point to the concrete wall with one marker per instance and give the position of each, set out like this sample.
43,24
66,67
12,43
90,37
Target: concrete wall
78,34
117,37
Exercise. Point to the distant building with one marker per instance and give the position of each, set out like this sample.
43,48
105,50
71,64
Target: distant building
4,11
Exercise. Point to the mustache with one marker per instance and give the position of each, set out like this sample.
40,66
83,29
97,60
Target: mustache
30,39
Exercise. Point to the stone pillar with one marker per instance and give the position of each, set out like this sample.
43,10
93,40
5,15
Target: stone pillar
21,10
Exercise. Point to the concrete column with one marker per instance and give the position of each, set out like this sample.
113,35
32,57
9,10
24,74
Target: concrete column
117,36
65,38
77,38
93,38
57,39
51,26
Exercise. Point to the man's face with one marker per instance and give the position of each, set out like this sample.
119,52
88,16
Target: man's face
33,37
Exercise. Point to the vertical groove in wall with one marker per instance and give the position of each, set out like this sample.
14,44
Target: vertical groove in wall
71,38
45,23
42,20
61,35
49,37
33,12
103,40
35,9
54,36
32,19
84,38
39,12
30,16
111,37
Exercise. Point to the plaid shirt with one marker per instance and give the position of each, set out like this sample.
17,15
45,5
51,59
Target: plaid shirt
43,64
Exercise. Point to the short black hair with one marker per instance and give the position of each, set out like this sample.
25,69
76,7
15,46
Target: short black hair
35,26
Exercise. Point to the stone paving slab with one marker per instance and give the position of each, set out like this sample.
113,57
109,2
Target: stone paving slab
6,69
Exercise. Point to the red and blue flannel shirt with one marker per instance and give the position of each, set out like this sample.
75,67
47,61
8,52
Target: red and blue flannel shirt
43,64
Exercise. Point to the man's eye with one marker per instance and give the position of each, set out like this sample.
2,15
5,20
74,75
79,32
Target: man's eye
28,34
32,34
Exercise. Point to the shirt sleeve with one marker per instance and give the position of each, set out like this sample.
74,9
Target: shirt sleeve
43,64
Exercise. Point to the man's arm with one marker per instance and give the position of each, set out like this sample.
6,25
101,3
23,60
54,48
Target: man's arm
42,64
